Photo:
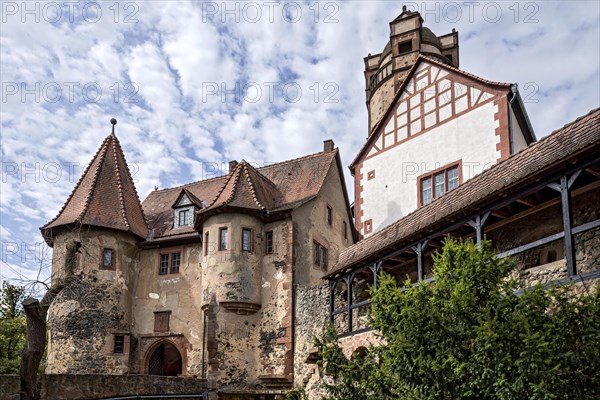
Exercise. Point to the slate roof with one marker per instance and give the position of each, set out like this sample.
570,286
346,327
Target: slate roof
275,187
105,196
581,135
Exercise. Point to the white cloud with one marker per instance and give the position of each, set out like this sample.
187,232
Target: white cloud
169,127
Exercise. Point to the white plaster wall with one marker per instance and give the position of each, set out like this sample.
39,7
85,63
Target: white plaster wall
470,137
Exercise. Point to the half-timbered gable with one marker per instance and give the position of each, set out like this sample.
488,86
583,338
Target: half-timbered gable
443,127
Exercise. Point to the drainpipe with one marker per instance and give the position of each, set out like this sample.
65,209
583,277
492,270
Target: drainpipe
514,88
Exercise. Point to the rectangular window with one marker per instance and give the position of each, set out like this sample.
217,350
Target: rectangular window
161,321
183,217
269,242
107,259
426,193
175,261
328,215
206,243
164,264
345,229
319,255
119,344
405,47
246,239
169,263
439,182
222,239
452,178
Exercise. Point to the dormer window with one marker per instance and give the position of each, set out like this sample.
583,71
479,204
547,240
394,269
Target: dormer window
184,209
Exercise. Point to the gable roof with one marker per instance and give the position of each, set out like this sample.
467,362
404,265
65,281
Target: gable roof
275,187
193,199
374,134
581,135
105,196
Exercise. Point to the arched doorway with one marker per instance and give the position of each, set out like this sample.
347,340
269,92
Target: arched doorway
165,360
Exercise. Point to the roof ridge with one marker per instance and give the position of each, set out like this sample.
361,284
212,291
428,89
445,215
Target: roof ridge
247,169
183,186
453,68
115,143
137,196
78,184
294,160
233,175
102,155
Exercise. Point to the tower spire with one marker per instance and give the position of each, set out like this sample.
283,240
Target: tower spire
113,121
105,195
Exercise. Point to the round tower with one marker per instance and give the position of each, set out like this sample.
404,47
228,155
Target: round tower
385,72
94,240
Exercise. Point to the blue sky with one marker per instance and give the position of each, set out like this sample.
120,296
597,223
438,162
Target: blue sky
196,84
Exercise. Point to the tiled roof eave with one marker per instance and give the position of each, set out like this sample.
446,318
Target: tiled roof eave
515,172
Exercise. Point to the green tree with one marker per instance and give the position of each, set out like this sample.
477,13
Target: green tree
12,327
468,335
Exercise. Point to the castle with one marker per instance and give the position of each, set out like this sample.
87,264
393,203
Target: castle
225,280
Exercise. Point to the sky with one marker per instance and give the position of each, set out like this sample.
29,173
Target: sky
196,84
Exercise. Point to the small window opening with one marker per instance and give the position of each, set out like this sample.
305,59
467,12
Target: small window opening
119,347
405,47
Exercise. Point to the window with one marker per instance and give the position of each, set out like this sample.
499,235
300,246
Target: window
405,47
161,321
183,217
119,344
169,263
246,239
320,255
345,229
438,183
175,261
108,261
222,239
269,242
164,264
328,216
206,243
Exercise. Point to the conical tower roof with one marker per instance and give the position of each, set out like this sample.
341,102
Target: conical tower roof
246,188
105,196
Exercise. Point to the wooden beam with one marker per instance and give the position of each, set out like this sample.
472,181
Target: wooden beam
542,206
527,202
594,171
500,214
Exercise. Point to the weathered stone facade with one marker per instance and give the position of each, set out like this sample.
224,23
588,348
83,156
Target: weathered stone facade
213,297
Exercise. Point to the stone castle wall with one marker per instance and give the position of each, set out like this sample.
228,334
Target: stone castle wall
88,387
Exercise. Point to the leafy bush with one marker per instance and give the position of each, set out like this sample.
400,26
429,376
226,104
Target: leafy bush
469,336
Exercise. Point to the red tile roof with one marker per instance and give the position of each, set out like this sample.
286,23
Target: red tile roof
105,196
246,188
583,134
276,187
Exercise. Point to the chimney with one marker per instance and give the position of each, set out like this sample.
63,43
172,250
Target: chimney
232,165
328,145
